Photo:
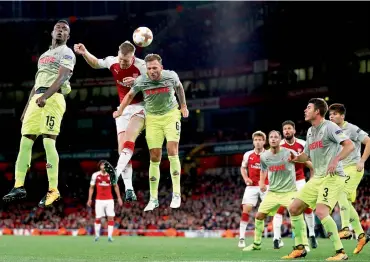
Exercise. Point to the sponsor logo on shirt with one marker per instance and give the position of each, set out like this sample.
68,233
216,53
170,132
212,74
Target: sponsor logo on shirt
47,60
159,90
277,168
316,145
256,166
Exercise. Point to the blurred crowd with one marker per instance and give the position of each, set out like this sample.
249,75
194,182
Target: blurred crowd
210,201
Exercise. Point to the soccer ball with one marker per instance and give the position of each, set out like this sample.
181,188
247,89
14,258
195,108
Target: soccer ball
142,36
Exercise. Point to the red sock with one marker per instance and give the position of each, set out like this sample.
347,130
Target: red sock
129,145
110,223
245,217
97,221
308,211
281,210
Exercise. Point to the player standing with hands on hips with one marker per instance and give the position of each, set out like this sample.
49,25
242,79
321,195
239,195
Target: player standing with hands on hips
163,121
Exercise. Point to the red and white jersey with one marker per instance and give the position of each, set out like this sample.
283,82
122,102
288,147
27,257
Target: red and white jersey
137,68
103,186
297,146
251,161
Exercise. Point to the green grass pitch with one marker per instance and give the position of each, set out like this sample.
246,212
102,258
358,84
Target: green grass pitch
78,249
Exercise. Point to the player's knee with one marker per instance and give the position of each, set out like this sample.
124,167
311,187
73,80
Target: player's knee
322,211
110,218
155,154
281,210
172,148
97,221
295,209
246,208
260,216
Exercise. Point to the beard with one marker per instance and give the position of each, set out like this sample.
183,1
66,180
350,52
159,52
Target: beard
289,137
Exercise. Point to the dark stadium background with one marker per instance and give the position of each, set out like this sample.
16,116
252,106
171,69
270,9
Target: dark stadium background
246,66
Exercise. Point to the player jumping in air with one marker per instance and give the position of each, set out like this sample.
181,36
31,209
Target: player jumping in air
297,145
163,121
354,169
326,147
44,112
104,203
125,67
250,171
282,189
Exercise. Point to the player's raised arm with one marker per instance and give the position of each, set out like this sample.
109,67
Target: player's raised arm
67,64
80,49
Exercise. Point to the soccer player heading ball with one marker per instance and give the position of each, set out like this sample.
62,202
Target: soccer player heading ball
125,67
163,121
44,112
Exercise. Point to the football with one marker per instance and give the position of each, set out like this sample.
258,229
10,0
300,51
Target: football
142,36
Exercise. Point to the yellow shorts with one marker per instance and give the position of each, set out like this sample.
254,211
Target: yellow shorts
159,127
44,120
272,201
322,190
353,179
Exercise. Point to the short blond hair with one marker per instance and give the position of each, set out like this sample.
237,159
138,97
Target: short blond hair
260,134
153,57
126,48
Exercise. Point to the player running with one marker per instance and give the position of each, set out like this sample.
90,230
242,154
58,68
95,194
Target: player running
250,170
282,189
326,146
104,204
297,145
44,112
354,169
163,121
125,67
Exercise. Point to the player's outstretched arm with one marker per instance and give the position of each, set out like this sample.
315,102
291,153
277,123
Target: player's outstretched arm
125,102
91,192
63,75
182,99
89,58
302,158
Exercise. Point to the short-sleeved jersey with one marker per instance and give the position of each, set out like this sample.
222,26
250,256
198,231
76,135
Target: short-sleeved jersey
251,161
281,172
48,67
298,147
322,145
136,69
159,96
357,136
103,186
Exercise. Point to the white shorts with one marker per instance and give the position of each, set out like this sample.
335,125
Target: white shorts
130,111
251,195
300,184
104,208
